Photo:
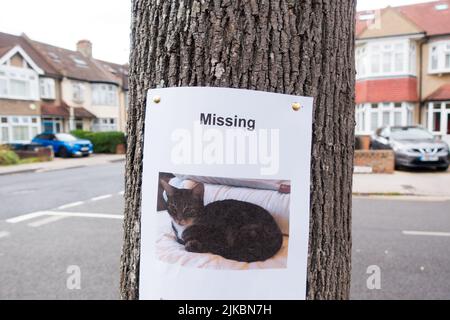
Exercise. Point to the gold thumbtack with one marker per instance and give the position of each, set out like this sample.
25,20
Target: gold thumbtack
296,106
156,99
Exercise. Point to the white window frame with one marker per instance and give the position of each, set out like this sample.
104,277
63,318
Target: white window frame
78,92
364,115
374,52
439,50
34,128
47,88
29,76
105,124
444,111
104,94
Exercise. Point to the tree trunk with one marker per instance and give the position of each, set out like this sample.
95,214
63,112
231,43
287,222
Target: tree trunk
284,46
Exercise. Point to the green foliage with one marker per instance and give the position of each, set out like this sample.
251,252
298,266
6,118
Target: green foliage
8,157
104,142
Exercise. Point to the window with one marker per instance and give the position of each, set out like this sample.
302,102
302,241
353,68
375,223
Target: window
78,124
19,88
78,92
439,118
371,117
18,83
47,88
104,95
18,128
440,57
385,58
104,124
79,62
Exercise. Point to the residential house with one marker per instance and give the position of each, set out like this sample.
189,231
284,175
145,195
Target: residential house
403,67
64,89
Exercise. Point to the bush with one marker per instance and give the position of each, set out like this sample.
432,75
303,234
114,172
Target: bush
104,142
8,157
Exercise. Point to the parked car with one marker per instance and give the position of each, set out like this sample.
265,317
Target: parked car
414,147
65,145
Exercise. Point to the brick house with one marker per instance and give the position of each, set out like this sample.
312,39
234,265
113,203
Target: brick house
403,68
46,88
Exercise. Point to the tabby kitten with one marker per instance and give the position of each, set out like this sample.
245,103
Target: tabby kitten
235,230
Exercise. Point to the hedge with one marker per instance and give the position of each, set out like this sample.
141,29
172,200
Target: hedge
8,157
104,142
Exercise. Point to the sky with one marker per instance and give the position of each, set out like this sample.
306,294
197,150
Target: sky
106,23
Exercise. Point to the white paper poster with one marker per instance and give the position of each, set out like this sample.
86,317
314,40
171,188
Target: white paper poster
225,195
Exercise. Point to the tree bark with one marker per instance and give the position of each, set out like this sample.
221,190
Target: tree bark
284,46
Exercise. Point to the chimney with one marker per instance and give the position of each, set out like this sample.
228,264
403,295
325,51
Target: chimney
85,48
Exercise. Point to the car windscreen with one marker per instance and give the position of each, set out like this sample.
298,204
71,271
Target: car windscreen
65,137
410,134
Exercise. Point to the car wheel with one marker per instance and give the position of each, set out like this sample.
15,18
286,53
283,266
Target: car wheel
442,169
63,153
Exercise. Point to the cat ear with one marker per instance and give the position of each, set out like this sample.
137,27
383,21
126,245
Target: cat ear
198,191
170,191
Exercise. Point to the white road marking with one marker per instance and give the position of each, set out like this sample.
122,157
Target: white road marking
106,196
71,205
45,221
4,234
85,215
26,217
426,233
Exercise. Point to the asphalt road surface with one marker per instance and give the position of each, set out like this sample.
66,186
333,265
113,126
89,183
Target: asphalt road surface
61,235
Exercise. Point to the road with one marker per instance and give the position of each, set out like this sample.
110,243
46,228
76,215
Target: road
75,232
37,254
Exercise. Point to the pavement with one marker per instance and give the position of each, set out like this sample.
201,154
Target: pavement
61,164
61,237
426,184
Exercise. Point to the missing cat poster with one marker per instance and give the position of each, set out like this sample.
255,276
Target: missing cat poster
225,195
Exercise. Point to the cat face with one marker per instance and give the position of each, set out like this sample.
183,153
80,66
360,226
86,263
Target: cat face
184,205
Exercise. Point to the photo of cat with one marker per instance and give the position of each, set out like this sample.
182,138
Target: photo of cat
223,223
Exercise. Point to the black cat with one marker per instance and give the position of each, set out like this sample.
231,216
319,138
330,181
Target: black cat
233,229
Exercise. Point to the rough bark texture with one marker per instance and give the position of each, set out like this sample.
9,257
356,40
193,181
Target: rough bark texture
286,46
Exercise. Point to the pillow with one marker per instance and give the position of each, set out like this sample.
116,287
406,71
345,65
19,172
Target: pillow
247,183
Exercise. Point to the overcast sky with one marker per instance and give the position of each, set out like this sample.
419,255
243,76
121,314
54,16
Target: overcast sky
105,22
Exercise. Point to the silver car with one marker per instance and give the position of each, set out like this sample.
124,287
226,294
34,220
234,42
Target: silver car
414,147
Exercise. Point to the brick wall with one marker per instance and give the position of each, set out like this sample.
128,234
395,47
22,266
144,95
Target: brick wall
380,161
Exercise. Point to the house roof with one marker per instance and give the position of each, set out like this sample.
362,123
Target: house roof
441,94
73,64
9,41
424,15
56,61
63,111
119,71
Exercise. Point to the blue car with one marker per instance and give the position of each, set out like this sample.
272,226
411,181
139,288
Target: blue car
65,145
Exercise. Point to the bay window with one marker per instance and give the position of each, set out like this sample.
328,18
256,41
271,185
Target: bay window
371,116
439,57
18,83
386,58
18,128
104,94
104,124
